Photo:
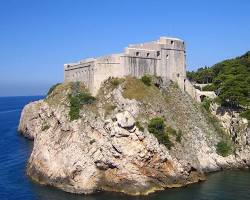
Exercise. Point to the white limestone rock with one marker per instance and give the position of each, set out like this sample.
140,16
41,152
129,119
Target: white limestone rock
110,153
125,120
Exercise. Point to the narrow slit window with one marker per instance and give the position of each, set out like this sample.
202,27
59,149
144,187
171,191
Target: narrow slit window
158,53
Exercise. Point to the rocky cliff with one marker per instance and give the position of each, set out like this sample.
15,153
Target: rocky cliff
84,144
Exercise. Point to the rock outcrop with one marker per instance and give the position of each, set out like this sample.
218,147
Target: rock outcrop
105,150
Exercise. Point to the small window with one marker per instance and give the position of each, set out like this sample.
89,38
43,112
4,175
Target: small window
137,53
148,54
167,56
172,42
178,75
158,53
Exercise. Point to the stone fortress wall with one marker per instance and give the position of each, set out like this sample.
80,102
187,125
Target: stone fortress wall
164,57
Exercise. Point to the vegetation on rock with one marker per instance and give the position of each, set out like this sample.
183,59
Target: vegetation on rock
139,126
246,114
52,88
147,80
45,127
157,127
77,98
116,81
206,103
135,89
224,148
230,79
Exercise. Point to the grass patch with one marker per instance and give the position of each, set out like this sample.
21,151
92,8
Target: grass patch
109,108
177,134
135,89
52,88
59,94
139,126
156,126
224,148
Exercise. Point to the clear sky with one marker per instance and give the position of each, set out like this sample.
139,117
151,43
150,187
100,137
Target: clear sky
38,36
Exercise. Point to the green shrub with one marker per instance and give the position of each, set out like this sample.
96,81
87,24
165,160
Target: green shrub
147,80
164,139
246,114
52,88
206,103
74,107
156,126
224,148
76,103
138,125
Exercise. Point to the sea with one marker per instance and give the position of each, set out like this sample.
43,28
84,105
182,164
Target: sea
16,185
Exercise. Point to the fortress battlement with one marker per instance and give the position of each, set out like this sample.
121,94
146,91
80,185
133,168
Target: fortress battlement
164,57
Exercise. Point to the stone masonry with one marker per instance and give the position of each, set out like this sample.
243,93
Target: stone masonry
164,58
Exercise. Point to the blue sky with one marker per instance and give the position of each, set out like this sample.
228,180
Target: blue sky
38,36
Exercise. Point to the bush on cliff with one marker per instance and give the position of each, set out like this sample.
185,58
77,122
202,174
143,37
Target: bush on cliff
77,99
156,126
224,148
146,79
246,114
52,88
206,103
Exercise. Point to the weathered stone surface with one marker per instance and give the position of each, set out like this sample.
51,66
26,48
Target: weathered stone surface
164,58
125,120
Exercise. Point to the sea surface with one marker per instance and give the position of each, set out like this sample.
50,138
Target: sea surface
14,184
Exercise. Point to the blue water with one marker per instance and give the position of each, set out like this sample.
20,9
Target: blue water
14,184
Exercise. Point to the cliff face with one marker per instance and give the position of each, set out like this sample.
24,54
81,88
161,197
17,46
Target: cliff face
109,147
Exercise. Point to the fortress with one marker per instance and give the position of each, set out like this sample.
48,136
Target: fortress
164,58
